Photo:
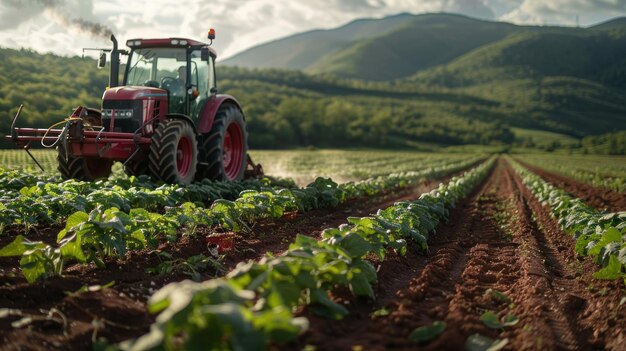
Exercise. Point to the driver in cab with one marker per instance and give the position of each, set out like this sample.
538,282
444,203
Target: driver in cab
182,77
176,88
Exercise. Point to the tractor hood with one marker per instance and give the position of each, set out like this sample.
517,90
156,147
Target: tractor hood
134,93
128,108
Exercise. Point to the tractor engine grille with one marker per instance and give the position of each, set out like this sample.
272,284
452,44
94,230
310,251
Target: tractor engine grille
127,115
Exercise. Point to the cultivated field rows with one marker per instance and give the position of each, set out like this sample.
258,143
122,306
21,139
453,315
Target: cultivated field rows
467,261
607,172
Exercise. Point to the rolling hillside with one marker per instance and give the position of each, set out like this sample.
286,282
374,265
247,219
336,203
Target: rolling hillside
425,42
595,54
302,50
563,80
406,45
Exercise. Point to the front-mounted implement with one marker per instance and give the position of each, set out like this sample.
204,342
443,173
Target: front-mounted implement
165,119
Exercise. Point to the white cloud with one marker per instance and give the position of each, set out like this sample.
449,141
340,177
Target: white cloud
564,12
244,23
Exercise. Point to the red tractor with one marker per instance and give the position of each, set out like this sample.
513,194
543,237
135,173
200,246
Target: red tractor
165,119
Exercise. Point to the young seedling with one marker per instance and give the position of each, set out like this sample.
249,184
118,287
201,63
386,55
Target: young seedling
491,320
427,332
477,342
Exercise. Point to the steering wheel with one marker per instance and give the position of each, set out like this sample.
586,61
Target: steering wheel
173,85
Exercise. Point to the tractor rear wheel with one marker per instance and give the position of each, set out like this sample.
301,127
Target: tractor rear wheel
226,146
173,152
83,168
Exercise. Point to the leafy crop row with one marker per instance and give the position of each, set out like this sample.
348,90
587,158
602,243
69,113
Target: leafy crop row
52,202
255,303
600,171
89,237
597,234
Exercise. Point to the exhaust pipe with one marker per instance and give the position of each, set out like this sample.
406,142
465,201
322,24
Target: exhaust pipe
114,73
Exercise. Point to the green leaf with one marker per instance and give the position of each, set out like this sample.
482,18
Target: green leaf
498,295
73,249
355,245
76,219
323,306
613,270
18,246
477,342
491,320
360,286
510,320
279,324
427,332
381,312
610,235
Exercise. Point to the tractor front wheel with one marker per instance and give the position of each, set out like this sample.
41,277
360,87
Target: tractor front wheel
173,152
82,168
226,146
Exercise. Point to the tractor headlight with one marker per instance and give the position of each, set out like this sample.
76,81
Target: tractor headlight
124,114
121,114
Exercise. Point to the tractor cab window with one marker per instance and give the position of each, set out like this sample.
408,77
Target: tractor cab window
164,68
212,84
200,82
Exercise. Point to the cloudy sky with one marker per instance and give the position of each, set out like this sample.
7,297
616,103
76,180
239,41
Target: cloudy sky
66,26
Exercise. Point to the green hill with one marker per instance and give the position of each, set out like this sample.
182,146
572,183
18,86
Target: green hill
592,54
302,50
427,41
437,47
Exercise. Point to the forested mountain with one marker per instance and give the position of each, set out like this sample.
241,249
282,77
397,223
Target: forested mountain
406,45
597,53
302,50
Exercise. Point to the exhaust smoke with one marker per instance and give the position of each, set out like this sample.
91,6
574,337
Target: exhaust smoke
58,9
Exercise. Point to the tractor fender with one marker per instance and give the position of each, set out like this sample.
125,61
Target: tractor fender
184,118
205,122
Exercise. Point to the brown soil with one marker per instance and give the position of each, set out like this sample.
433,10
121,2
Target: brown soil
119,312
500,238
600,198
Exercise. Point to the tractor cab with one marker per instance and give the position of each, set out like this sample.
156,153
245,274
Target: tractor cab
171,76
183,68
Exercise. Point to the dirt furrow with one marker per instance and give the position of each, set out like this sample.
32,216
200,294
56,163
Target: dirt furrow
588,307
548,322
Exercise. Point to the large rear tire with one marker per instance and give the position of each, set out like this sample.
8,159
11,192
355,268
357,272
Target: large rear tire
226,146
173,152
83,168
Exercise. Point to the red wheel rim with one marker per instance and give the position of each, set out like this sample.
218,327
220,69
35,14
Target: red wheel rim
233,151
184,156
